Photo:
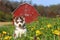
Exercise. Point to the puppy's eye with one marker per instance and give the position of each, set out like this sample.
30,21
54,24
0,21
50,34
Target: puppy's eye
16,21
21,21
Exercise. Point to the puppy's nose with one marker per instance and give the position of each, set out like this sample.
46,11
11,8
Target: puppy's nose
19,25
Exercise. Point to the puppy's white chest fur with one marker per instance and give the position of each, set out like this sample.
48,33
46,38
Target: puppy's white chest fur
21,31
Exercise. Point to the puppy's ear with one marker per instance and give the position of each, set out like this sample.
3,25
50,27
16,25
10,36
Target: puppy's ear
23,17
13,20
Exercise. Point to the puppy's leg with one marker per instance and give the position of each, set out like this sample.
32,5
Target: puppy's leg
20,35
16,33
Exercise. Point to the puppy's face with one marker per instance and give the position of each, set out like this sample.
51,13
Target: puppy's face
19,21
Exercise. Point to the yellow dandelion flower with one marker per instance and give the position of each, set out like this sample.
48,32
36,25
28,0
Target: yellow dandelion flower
4,32
10,37
38,32
56,32
49,25
7,37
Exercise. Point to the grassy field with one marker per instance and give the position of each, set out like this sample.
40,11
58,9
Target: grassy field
42,29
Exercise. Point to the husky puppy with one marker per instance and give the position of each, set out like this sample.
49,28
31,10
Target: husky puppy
19,23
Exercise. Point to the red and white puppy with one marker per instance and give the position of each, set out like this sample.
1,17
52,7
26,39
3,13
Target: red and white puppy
20,29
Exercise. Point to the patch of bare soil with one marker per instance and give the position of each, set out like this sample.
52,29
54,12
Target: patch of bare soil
5,23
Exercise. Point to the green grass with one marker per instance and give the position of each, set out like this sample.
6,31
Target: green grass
49,29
